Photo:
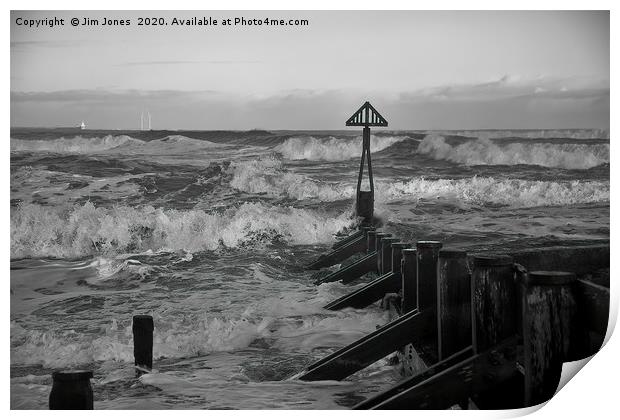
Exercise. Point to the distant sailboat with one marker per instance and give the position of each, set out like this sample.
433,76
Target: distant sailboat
82,126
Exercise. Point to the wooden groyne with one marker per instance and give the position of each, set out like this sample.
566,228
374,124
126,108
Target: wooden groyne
492,330
483,330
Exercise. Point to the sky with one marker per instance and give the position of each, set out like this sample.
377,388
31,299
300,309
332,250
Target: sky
420,70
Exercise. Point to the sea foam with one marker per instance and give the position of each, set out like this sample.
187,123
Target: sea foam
268,176
508,192
172,144
486,152
190,335
332,148
75,145
83,230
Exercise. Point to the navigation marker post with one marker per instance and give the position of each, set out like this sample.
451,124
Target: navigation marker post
356,243
367,116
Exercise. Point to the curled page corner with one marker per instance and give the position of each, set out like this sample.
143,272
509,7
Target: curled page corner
570,369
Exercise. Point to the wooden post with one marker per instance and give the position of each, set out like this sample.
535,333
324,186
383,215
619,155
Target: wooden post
591,318
495,313
71,390
494,301
371,241
367,230
453,303
394,299
143,342
409,289
379,249
397,255
547,302
427,253
386,255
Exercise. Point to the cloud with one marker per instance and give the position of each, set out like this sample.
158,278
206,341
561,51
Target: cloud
183,62
512,87
503,103
19,46
90,96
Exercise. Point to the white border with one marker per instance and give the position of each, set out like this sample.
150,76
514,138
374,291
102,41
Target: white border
591,394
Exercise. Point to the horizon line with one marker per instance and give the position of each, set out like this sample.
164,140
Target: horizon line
77,128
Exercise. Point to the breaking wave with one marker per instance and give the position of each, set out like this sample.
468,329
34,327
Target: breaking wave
509,192
568,133
171,144
486,152
267,176
76,144
66,348
331,149
83,230
192,334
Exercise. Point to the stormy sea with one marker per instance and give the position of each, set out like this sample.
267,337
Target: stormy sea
209,232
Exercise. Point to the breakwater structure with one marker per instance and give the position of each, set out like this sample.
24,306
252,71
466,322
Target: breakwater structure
486,331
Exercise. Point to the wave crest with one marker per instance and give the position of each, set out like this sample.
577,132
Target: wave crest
567,133
267,176
83,230
77,145
509,192
486,152
331,149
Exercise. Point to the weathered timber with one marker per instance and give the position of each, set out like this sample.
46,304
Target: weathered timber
384,261
547,312
397,256
457,383
368,349
142,329
378,238
427,253
593,312
356,246
368,294
371,241
494,318
453,303
349,238
579,260
409,286
394,300
408,383
71,390
494,299
353,271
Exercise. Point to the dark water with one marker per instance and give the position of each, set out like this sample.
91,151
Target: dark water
209,231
